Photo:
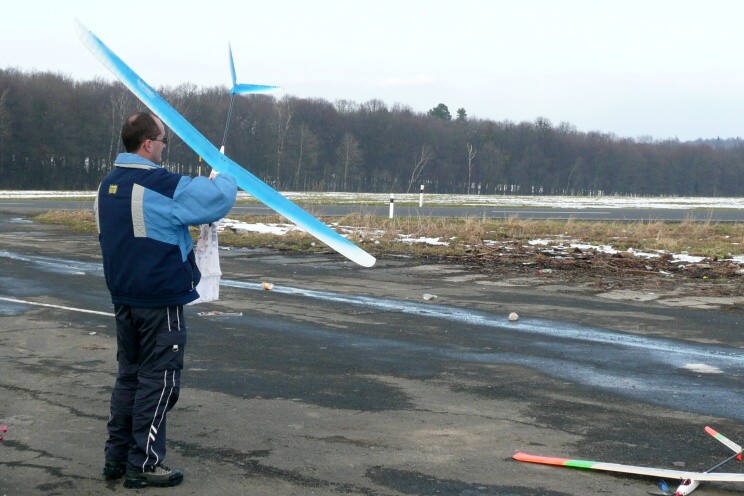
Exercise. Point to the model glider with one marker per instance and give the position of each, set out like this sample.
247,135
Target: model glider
202,147
241,89
688,481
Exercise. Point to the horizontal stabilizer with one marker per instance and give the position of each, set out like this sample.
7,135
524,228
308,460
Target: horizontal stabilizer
243,89
720,437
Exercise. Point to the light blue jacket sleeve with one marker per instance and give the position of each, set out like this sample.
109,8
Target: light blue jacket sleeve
202,201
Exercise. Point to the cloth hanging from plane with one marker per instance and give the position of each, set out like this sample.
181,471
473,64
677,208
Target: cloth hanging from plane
207,256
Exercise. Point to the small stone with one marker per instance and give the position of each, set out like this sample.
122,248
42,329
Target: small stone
513,316
268,286
428,296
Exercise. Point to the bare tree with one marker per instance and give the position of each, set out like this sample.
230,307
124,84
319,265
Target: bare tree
182,98
119,105
576,168
471,156
285,118
346,106
374,105
308,151
421,160
349,156
4,120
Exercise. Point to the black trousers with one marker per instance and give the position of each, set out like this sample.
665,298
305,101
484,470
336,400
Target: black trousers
150,349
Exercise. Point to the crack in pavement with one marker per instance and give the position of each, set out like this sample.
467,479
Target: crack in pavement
252,467
37,395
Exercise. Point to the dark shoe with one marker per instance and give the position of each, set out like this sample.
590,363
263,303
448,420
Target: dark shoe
156,475
114,470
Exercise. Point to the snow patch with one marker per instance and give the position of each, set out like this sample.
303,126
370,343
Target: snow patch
702,368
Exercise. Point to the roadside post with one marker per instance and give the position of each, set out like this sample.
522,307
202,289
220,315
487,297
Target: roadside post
392,204
421,197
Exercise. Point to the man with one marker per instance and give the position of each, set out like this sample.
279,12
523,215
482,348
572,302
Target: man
143,213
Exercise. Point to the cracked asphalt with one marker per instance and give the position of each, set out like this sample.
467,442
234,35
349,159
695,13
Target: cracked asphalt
343,380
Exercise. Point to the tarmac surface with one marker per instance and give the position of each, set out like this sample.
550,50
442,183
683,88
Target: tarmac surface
344,380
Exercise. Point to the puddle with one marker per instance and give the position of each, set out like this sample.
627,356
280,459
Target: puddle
13,309
57,265
19,220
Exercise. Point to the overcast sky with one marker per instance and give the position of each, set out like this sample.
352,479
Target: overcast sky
663,69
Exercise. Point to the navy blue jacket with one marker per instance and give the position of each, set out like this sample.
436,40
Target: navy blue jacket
143,213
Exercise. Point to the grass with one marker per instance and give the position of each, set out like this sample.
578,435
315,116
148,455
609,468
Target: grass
382,235
77,220
698,238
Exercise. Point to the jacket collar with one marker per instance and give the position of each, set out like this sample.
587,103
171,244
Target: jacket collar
134,161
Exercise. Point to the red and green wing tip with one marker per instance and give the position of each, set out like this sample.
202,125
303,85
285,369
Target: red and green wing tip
548,460
723,439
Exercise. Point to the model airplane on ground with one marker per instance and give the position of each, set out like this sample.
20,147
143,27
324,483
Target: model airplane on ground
203,148
688,481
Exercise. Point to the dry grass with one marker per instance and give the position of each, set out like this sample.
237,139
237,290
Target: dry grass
699,238
467,231
76,220
382,234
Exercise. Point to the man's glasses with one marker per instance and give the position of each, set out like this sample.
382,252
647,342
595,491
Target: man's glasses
164,140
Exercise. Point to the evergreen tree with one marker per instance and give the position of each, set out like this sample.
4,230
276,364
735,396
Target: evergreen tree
441,112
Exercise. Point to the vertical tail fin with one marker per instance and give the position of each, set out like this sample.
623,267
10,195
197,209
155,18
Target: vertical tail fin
232,68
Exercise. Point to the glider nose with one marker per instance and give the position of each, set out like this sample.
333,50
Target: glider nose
686,487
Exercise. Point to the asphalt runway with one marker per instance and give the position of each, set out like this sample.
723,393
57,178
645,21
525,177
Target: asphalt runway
344,380
15,206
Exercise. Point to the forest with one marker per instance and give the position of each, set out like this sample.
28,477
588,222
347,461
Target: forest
62,134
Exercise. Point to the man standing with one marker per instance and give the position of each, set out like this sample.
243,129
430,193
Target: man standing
143,213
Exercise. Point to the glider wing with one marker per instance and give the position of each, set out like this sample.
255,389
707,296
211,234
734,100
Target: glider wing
630,469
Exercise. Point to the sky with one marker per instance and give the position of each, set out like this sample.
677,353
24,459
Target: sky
640,69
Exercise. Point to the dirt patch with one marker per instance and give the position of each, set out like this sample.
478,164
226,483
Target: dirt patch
711,283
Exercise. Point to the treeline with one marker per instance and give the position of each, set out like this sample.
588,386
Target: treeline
58,133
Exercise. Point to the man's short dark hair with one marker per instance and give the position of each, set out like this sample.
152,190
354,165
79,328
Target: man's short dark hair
137,128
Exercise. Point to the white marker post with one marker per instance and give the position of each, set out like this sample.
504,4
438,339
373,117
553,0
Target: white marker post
421,197
392,205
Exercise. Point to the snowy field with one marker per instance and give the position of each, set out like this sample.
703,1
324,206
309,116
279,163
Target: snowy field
558,202
562,202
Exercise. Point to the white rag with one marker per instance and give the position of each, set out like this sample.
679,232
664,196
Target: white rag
207,256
